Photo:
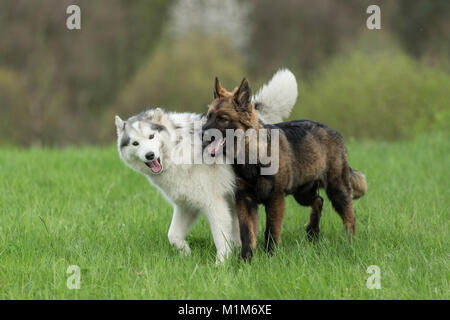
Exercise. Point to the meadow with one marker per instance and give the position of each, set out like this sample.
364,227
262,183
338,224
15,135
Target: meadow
82,206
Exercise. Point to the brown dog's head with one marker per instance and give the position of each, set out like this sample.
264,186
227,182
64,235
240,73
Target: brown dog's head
229,110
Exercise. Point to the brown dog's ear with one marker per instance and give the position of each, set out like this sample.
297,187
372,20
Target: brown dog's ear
218,89
242,95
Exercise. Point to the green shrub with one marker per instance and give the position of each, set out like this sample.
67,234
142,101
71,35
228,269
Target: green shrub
179,76
13,106
379,96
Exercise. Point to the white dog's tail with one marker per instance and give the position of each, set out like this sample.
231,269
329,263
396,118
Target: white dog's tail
275,100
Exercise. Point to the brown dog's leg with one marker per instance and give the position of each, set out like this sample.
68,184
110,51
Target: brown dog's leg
274,221
313,229
312,199
254,219
247,210
341,198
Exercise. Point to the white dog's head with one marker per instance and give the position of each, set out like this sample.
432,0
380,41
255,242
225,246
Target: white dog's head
140,141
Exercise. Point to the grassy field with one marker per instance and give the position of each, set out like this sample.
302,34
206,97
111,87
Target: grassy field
84,207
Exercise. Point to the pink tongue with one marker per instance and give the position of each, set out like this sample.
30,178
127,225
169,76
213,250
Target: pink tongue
215,146
155,166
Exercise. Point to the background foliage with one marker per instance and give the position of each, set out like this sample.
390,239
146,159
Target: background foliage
79,205
60,87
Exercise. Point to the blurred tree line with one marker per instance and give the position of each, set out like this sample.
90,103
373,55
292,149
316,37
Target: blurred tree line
60,86
55,82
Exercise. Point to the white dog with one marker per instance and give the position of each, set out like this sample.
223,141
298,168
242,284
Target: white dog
150,142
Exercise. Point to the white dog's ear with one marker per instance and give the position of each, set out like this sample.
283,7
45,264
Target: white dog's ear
120,125
148,115
158,115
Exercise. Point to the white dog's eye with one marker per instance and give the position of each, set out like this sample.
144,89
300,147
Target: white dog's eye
151,136
135,143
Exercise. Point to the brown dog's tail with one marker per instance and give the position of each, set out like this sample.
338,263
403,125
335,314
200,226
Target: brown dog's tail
359,184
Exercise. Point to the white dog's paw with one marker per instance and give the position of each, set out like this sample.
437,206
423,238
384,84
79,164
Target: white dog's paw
236,242
185,250
222,257
181,246
219,260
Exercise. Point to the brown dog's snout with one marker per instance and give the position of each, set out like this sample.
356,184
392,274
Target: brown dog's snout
207,138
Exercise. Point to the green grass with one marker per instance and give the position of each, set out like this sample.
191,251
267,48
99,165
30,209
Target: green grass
84,207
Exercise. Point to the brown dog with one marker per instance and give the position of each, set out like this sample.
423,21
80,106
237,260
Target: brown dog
311,156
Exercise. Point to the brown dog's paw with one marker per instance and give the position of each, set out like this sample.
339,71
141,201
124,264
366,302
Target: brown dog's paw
247,255
312,232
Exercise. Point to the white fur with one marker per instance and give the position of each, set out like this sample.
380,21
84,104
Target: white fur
194,189
281,91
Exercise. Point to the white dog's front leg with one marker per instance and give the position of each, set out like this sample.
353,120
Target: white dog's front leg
221,224
181,222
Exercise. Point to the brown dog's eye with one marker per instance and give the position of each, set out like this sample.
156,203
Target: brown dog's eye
222,119
135,143
151,136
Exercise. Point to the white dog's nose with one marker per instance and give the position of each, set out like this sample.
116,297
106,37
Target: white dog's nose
150,155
